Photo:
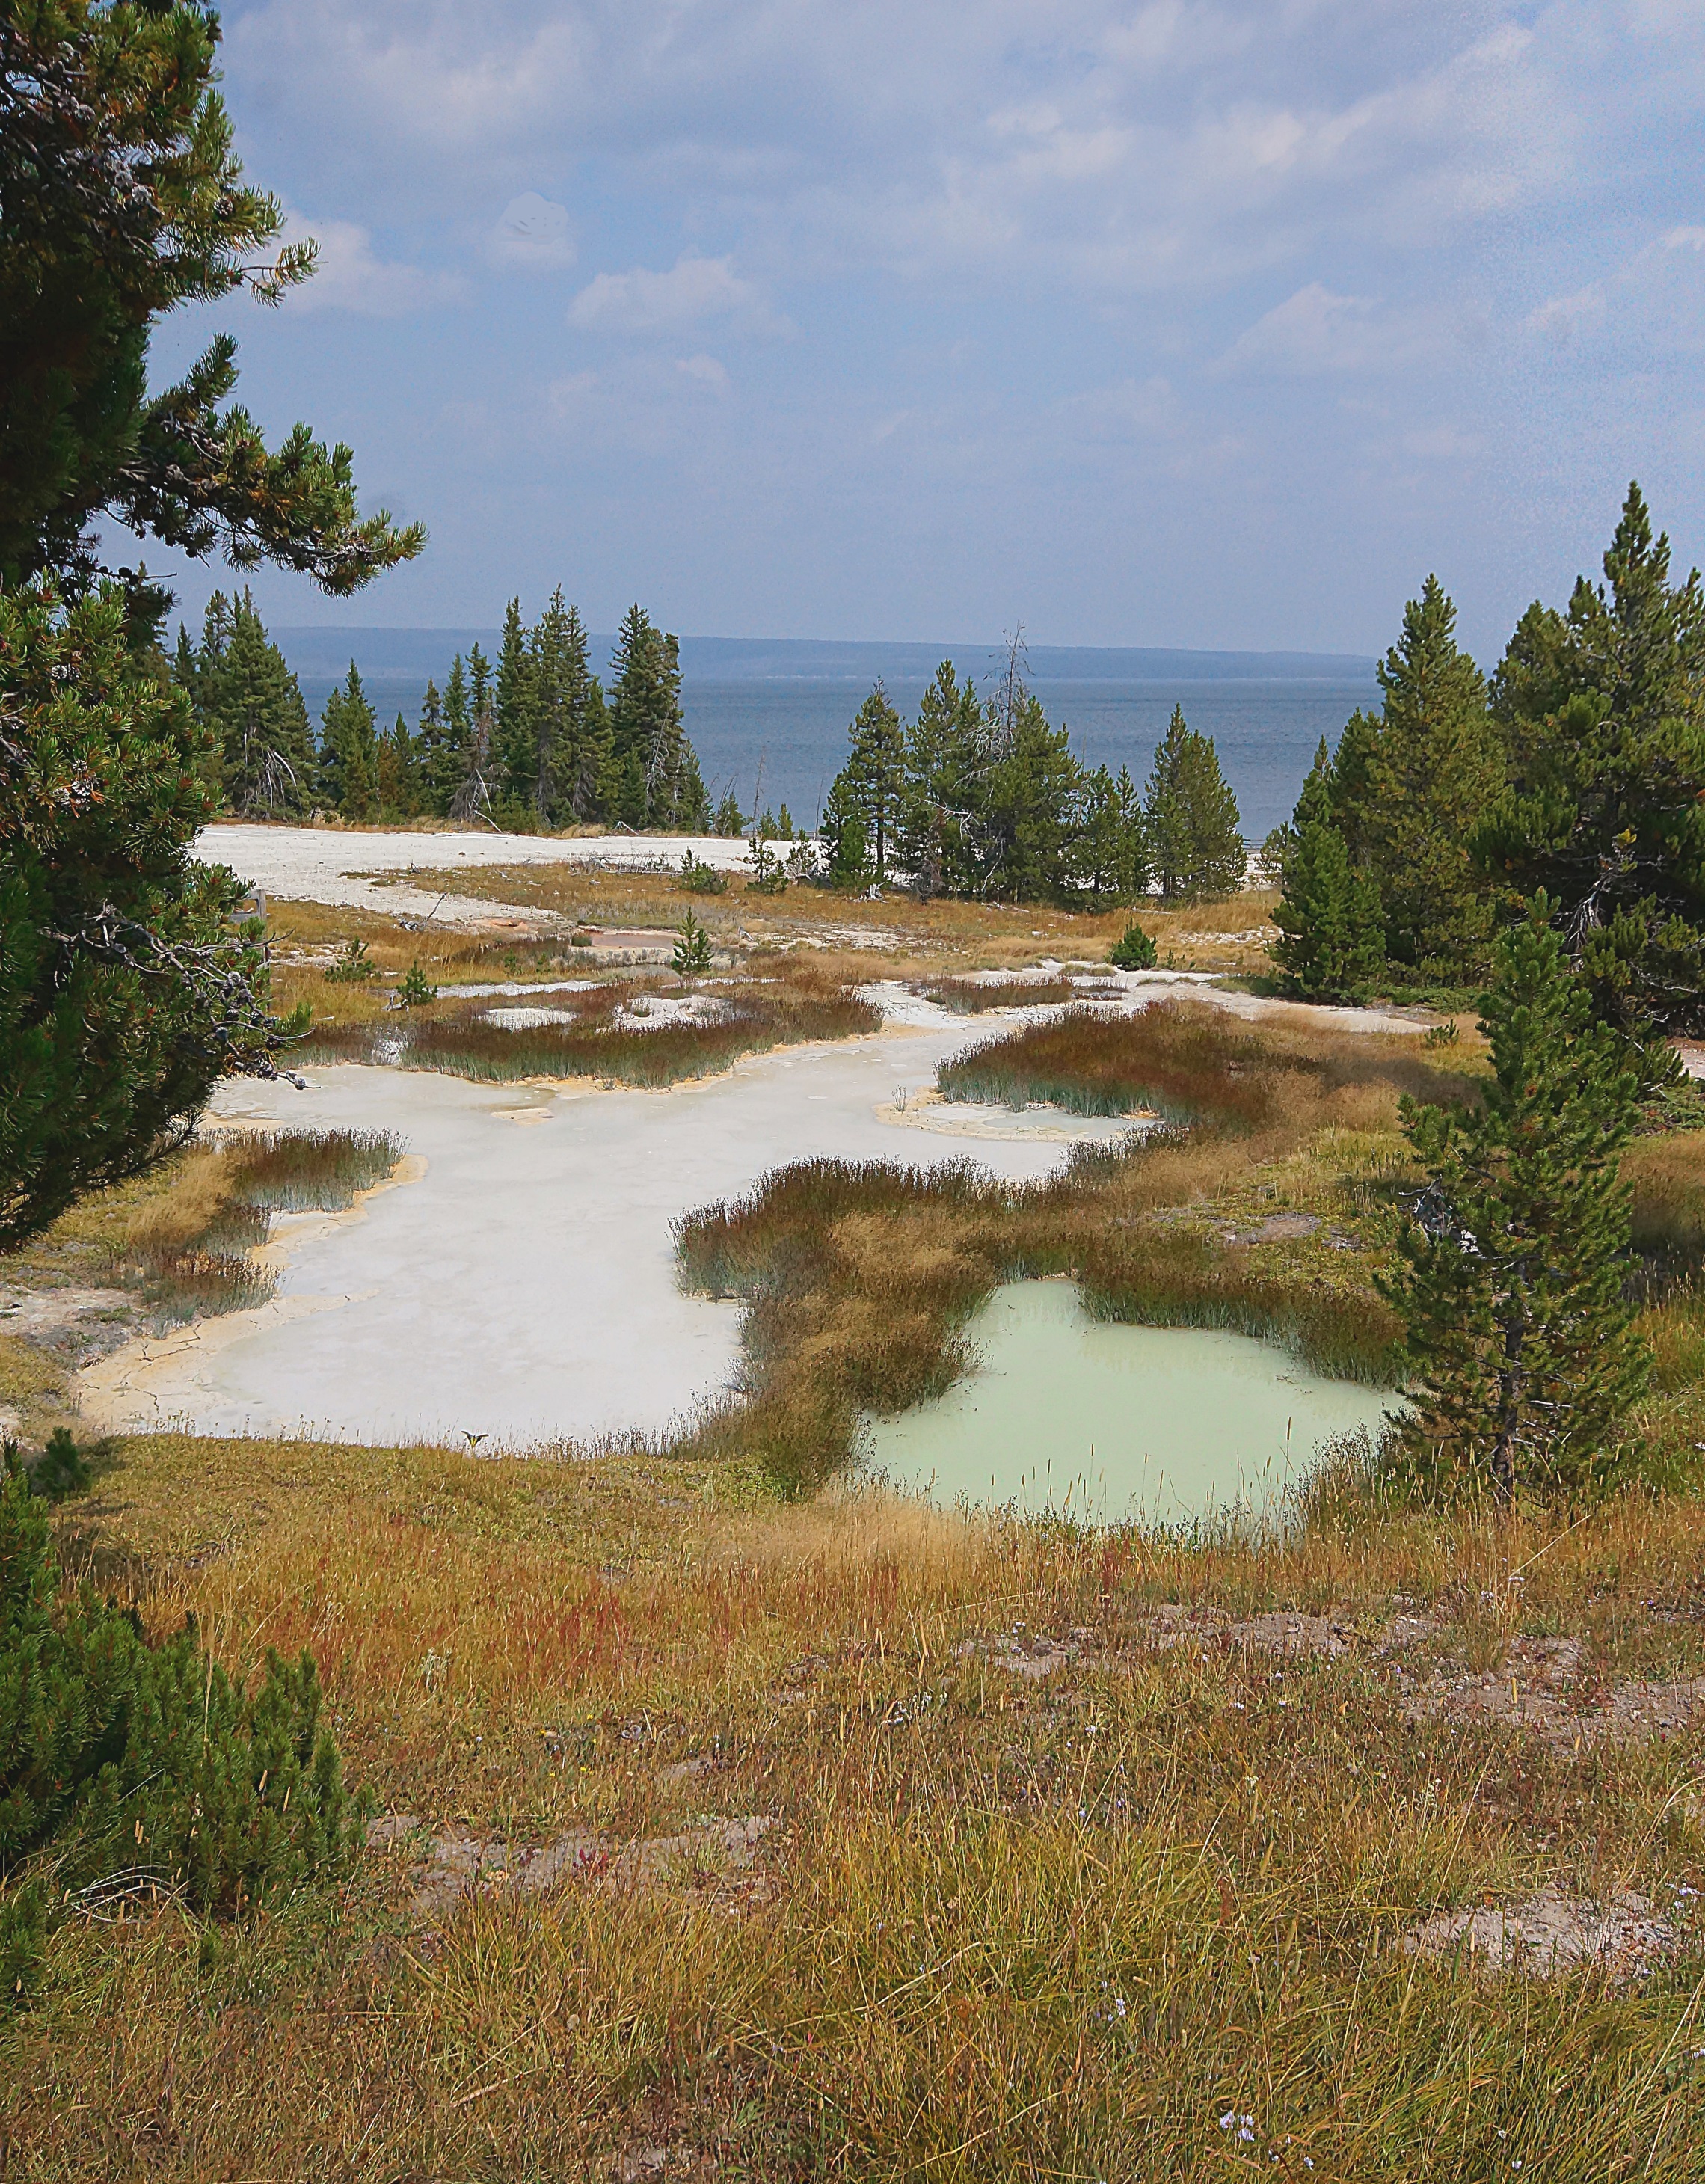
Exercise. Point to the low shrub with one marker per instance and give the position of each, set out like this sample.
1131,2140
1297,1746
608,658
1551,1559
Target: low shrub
692,957
697,877
1134,951
59,1469
128,1771
354,966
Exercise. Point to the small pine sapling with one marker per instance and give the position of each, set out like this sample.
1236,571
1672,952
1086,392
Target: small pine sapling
698,878
352,967
769,873
691,948
133,1770
1134,951
416,990
60,1470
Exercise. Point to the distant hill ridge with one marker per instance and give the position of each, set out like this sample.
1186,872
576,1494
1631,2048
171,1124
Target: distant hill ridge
325,650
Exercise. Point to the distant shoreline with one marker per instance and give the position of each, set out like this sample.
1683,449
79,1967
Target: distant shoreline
326,649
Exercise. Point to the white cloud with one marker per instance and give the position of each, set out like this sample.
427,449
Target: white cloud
1098,144
1656,297
349,277
532,234
1562,319
566,396
1313,331
705,371
693,289
1128,409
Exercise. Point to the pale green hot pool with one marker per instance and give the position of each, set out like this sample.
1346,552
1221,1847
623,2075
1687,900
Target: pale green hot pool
1103,1422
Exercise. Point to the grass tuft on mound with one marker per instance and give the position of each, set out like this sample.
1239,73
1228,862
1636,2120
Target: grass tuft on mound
186,1250
1184,1061
460,1040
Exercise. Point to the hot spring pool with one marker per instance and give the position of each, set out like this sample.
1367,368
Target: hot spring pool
1074,1415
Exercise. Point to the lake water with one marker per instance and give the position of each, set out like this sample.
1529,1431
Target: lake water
787,708
1107,1422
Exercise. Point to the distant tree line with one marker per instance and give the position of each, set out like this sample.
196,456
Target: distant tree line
1579,770
984,798
534,742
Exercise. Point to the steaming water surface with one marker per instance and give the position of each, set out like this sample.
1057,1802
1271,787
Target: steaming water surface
1072,1414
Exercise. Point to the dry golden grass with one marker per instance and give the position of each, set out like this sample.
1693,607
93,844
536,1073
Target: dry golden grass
1003,1927
905,937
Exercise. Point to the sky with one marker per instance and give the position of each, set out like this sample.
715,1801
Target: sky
1191,322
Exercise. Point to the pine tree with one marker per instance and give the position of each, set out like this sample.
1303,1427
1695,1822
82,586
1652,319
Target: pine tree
397,774
651,776
597,749
875,777
1032,812
349,752
1348,780
473,797
127,986
675,798
841,829
480,687
1111,856
1195,851
1531,686
515,752
1604,710
1435,769
466,691
1524,1360
943,810
561,681
122,201
1331,944
433,762
247,695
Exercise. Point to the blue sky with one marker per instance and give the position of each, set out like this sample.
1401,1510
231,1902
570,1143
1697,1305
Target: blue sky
1172,323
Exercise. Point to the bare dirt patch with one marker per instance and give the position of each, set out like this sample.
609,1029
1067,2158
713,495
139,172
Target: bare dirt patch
717,1855
1540,1685
1553,1932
